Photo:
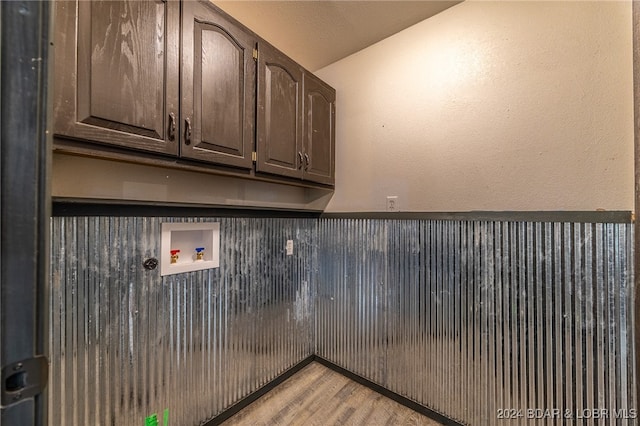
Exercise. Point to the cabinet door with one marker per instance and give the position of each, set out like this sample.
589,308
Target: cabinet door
218,87
116,73
279,147
319,131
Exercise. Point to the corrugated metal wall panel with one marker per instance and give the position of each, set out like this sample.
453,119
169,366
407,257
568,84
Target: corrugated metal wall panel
463,317
126,343
473,318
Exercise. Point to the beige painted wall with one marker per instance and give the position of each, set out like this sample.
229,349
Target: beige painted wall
490,106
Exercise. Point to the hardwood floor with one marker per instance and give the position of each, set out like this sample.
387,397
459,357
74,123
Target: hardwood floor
317,395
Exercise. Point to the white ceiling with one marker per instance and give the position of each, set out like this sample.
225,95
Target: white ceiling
316,33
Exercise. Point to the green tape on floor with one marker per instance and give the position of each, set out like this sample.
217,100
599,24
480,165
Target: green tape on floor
152,420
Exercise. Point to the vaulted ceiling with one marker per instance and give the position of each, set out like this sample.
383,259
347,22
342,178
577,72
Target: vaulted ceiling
318,33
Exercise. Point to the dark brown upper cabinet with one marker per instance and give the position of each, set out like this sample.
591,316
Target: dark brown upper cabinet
184,79
319,130
116,73
218,88
279,146
296,120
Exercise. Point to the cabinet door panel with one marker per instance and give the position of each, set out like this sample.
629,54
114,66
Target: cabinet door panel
221,96
279,113
218,88
319,131
116,72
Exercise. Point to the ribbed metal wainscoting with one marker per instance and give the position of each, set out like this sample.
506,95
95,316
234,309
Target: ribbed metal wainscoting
126,343
469,318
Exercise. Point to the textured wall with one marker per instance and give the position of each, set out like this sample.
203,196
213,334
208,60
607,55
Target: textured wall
126,343
490,105
467,318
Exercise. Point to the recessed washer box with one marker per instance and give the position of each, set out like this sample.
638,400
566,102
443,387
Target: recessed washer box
184,240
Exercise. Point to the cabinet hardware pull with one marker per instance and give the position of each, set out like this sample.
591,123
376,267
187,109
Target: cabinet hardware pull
306,162
301,160
172,126
187,131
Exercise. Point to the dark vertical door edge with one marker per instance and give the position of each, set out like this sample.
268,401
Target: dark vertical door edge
636,131
24,207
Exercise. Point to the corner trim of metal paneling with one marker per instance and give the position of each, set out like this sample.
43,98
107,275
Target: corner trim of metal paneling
251,398
440,418
242,404
609,216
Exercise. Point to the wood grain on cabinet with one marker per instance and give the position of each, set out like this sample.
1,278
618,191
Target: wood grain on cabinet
116,73
319,130
279,116
218,88
184,79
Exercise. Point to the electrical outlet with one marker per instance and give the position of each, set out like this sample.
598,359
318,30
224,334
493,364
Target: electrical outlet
392,203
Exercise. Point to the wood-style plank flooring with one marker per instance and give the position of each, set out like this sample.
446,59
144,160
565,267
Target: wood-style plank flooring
317,395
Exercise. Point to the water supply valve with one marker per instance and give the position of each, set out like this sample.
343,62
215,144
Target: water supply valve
189,247
199,253
174,256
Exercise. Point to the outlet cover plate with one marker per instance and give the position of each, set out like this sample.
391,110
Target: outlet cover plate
392,203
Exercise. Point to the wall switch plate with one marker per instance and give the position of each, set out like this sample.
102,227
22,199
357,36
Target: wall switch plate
392,203
289,247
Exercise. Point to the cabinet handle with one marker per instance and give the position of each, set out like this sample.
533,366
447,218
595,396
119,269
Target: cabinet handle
187,131
301,160
306,162
172,126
